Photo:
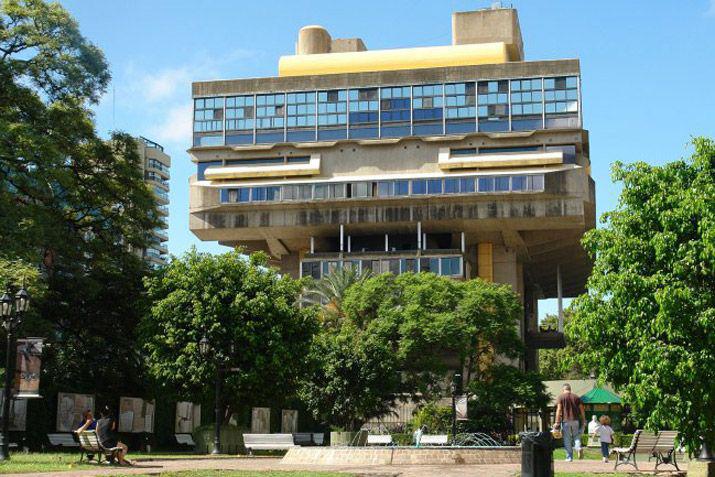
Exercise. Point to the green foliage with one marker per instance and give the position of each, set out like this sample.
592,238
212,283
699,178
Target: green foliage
233,301
648,320
328,293
563,363
400,336
437,419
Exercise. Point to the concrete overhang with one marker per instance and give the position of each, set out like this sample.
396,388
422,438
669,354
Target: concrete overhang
311,168
446,161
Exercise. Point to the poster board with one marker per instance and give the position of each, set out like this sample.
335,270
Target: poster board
70,408
289,421
18,412
188,417
460,407
29,365
261,420
136,415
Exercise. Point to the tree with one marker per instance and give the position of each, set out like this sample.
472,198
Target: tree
648,319
329,292
401,336
72,205
234,302
563,363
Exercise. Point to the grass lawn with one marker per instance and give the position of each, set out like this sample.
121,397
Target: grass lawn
49,462
588,454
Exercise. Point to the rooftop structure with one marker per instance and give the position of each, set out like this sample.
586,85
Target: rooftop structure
463,160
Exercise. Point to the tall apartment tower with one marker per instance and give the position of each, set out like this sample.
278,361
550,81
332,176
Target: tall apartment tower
155,164
463,160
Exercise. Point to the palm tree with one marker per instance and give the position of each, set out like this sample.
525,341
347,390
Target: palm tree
329,292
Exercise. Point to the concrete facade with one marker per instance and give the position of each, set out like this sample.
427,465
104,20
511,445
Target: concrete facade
502,192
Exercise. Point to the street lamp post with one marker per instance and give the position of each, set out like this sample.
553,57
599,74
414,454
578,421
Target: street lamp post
456,383
11,311
205,349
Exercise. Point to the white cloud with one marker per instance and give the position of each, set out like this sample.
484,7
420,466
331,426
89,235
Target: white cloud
174,126
164,84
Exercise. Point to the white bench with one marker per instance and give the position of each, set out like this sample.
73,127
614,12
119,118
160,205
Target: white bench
318,438
90,445
434,440
185,440
62,440
379,440
268,442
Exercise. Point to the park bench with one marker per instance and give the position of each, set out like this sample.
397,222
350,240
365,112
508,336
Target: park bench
434,440
11,445
62,440
659,445
267,442
318,438
185,440
308,438
379,440
89,445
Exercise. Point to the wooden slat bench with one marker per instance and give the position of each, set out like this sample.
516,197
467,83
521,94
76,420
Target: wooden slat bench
659,445
89,444
379,440
185,440
63,440
434,440
268,442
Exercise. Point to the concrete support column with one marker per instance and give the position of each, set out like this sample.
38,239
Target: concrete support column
349,245
485,261
312,244
387,243
560,297
462,243
342,237
419,235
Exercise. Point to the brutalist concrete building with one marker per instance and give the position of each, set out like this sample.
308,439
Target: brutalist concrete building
464,160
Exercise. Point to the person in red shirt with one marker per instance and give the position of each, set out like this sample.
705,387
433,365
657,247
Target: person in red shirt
571,419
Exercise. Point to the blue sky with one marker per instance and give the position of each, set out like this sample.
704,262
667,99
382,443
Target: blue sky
647,66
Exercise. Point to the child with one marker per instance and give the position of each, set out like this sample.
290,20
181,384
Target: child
605,435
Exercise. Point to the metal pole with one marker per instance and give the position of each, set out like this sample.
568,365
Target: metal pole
4,449
219,417
560,298
454,414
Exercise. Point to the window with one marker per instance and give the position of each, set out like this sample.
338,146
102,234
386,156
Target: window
329,191
408,265
202,166
568,150
311,269
493,108
459,185
263,161
363,112
402,187
361,189
463,151
451,266
270,121
395,111
561,102
300,120
434,186
239,120
419,187
429,265
486,184
526,105
518,183
385,189
372,265
510,149
427,110
459,108
536,183
208,121
332,114
501,184
270,193
298,192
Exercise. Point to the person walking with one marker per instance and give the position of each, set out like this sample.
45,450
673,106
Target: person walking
571,419
605,435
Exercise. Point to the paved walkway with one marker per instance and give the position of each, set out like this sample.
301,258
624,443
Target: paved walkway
263,463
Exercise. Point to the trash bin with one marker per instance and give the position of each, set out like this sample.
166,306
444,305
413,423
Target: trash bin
537,458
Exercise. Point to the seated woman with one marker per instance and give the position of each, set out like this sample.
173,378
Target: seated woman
88,422
107,436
